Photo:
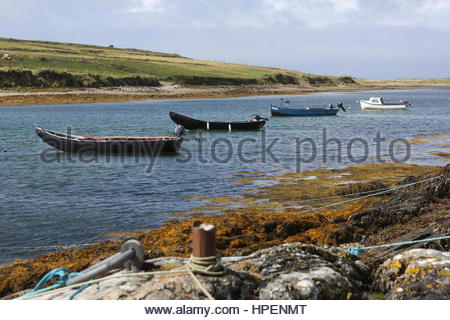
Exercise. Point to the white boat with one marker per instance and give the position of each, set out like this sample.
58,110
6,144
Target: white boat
379,104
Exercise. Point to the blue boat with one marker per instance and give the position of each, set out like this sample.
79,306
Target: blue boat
286,111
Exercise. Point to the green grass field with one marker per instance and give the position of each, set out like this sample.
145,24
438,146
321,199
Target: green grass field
82,59
78,59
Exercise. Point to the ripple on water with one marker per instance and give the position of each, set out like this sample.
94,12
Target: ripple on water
64,202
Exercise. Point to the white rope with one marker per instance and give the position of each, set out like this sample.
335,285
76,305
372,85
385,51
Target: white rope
200,285
371,195
344,195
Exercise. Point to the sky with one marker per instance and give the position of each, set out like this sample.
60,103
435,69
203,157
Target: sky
366,39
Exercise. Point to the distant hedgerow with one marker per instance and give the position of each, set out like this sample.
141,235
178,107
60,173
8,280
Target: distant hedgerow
55,79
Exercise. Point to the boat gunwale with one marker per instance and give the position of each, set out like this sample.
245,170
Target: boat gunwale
171,113
386,104
277,111
83,139
305,108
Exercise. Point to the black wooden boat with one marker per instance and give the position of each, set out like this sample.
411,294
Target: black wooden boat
194,124
110,145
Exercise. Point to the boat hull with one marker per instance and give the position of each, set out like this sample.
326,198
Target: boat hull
365,105
312,112
194,124
80,144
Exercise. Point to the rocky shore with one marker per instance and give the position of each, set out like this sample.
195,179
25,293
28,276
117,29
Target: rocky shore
287,255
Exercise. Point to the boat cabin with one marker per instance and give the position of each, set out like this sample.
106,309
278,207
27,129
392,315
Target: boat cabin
378,100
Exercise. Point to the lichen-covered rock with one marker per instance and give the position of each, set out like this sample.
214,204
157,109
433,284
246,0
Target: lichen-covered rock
232,285
303,271
415,274
321,283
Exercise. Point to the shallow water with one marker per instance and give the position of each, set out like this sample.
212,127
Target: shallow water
71,201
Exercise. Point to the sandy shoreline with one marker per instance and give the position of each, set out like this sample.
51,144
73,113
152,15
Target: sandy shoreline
33,96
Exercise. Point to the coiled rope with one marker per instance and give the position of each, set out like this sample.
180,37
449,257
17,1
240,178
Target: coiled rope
58,277
209,266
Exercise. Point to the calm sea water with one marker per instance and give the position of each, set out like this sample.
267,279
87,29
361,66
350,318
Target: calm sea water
68,202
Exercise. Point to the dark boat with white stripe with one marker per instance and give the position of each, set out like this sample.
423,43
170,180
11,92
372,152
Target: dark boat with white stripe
193,124
110,145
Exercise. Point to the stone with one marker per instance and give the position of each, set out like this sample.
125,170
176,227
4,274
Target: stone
305,272
415,274
321,283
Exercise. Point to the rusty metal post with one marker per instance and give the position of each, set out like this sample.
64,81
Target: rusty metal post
203,240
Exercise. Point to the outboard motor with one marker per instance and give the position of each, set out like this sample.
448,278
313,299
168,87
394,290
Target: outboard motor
406,102
341,106
180,131
257,117
286,102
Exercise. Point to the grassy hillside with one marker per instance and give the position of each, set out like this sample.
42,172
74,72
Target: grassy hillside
93,65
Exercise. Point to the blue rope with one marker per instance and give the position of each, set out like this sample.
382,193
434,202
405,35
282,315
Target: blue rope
77,292
357,250
57,276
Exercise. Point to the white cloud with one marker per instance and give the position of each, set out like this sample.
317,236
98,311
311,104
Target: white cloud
250,13
294,14
314,14
146,6
437,12
404,13
346,5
